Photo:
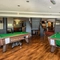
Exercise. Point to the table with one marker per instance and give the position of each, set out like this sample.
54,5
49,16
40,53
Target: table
5,39
54,41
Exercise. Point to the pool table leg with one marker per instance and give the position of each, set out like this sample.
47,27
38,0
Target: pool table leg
27,40
20,43
4,48
53,48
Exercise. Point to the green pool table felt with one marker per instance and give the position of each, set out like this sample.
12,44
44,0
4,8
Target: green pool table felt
57,37
12,34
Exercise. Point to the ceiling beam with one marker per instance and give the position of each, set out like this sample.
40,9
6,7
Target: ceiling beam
29,14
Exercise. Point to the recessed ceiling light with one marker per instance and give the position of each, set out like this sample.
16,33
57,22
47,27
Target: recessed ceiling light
49,7
18,5
27,1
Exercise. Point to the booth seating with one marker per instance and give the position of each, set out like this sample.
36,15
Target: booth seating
49,33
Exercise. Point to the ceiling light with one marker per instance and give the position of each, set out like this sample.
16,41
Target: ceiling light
50,7
18,5
53,1
27,1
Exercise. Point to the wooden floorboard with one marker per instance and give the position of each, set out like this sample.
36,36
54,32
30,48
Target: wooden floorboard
37,49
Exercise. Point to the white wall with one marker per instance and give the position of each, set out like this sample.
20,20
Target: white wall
58,18
28,27
51,20
10,23
35,23
1,24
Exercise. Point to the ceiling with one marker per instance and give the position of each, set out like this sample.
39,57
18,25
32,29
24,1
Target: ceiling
33,7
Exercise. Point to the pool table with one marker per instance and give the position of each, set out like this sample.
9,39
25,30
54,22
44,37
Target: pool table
8,38
54,41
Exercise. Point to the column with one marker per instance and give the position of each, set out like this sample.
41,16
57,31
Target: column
28,27
4,25
41,29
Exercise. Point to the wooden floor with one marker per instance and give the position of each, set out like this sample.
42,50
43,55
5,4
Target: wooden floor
37,49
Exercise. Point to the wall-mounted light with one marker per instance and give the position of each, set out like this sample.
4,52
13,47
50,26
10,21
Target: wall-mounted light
9,25
17,21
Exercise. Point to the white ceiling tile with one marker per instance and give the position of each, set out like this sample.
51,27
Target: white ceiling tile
32,5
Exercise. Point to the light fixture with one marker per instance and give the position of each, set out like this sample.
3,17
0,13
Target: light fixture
17,21
53,1
27,1
49,7
29,19
18,5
